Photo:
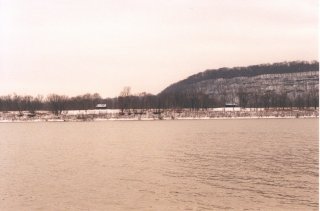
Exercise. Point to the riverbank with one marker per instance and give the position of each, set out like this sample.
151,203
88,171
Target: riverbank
166,114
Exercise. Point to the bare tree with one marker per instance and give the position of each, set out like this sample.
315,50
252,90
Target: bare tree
18,104
57,103
124,99
35,104
243,98
314,97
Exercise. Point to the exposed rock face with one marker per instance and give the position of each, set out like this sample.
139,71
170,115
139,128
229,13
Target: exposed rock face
292,79
291,83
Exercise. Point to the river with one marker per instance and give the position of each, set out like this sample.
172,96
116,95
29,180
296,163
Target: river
262,164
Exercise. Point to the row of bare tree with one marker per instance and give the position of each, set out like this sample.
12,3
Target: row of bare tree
53,102
21,103
271,99
128,102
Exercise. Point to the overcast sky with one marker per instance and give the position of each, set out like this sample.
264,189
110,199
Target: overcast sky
77,46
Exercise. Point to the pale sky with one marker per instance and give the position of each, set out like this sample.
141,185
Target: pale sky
78,46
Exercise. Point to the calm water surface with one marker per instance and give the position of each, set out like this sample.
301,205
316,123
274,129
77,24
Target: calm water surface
160,165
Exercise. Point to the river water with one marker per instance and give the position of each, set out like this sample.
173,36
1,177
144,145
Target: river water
264,164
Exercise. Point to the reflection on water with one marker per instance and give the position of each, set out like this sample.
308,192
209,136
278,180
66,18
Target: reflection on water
160,165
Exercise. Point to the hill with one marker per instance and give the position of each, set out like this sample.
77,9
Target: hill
292,81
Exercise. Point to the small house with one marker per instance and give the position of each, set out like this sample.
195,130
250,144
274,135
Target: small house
101,106
230,105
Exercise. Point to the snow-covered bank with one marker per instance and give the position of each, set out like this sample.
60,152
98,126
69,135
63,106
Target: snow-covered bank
166,114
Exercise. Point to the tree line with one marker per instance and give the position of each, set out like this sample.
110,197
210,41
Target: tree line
128,102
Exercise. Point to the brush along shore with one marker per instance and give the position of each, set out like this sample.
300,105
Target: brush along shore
158,114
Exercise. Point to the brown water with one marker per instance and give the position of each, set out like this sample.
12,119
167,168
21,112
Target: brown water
160,165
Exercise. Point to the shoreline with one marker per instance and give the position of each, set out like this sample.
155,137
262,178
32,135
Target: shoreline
165,115
132,120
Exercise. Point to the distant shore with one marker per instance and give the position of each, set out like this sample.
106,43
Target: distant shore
152,114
